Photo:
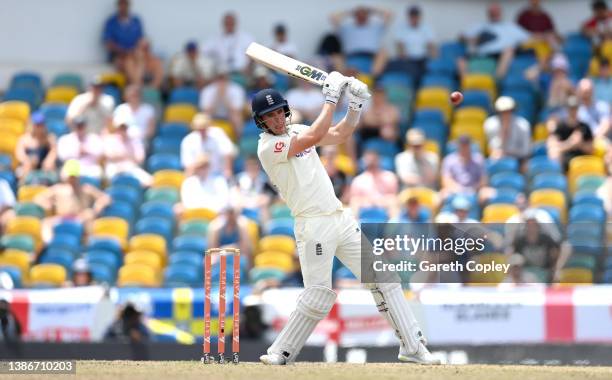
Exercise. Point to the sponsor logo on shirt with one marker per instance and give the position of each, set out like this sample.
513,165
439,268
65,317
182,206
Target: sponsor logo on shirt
278,147
318,249
303,153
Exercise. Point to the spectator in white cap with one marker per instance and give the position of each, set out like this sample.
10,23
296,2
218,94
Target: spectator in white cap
140,116
508,135
416,166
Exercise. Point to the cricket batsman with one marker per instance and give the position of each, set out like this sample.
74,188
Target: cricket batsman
323,228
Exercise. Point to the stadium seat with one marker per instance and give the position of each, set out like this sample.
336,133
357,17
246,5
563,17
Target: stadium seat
502,165
589,183
102,274
493,277
29,209
273,259
442,66
189,95
26,79
148,258
105,258
174,130
508,180
587,213
587,197
168,178
576,276
105,244
119,209
190,243
68,79
499,212
164,194
552,198
167,144
138,275
279,243
54,112
182,275
21,242
155,225
163,161
152,96
18,259
480,99
361,63
27,95
426,196
396,78
482,65
541,165
14,273
191,258
71,243
280,211
8,144
9,126
481,82
436,98
470,115
47,275
115,79
581,165
157,209
439,80
549,181
150,242
181,113
112,227
127,180
504,196
61,94
280,227
27,225
198,214
374,214
194,227
15,110
581,261
60,257
262,274
121,193
27,193
474,130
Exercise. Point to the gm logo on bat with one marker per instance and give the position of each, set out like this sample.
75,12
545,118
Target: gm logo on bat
310,72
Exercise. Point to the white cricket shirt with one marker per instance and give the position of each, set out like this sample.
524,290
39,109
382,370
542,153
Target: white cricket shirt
301,180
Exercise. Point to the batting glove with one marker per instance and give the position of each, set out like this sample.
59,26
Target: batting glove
333,86
358,94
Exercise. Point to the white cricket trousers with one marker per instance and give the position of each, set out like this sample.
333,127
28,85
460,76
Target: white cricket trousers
320,238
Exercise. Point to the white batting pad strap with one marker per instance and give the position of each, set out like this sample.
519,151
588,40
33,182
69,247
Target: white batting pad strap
391,302
313,305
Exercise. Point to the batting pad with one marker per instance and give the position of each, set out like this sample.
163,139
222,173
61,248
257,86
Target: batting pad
313,305
391,303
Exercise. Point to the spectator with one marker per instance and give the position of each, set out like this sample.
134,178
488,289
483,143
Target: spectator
599,26
560,87
81,273
10,328
494,38
128,327
262,79
594,113
380,118
122,31
414,41
190,68
70,200
203,188
251,187
139,116
83,146
416,166
460,214
339,179
124,154
361,31
375,187
210,140
414,212
602,83
569,137
306,99
227,50
281,42
516,273
224,99
94,105
463,171
7,203
36,152
230,230
143,67
508,135
538,22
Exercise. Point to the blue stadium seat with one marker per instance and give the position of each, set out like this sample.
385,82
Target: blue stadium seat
442,66
155,225
587,197
363,64
452,50
250,129
587,246
585,231
61,257
191,243
476,98
540,149
114,92
14,273
68,79
66,241
119,209
157,209
167,145
504,195
6,161
181,275
106,258
124,194
549,181
190,258
587,213
127,180
67,227
281,226
503,180
428,115
189,95
58,127
382,147
504,164
9,177
54,111
542,164
26,80
93,181
105,244
173,130
396,78
439,80
374,214
102,274
164,161
24,94
553,212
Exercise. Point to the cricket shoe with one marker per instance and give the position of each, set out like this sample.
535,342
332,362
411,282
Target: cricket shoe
273,359
422,356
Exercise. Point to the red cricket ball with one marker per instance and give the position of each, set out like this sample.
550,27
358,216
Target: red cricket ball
456,98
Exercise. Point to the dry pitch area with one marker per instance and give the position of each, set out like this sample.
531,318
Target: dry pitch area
128,370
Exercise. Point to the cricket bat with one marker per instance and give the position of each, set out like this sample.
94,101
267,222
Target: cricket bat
282,63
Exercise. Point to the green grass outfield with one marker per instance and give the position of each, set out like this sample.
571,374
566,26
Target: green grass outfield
184,370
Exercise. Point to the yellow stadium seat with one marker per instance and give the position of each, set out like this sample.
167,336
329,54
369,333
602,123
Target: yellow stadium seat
482,82
499,212
549,198
600,147
434,97
541,48
274,259
540,132
17,258
11,126
27,193
346,165
493,277
576,276
150,242
278,243
606,50
181,113
8,143
149,258
198,214
426,196
583,165
367,79
114,78
60,94
47,275
475,131
432,146
26,225
111,226
138,275
253,230
168,178
594,67
474,115
15,109
227,127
